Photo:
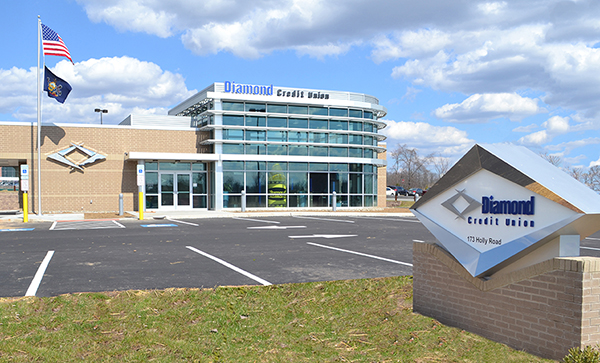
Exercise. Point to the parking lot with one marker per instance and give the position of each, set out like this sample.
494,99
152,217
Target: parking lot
53,258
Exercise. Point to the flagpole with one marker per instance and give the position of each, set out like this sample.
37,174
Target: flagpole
39,121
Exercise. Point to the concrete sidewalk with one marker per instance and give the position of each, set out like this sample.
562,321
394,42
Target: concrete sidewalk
14,216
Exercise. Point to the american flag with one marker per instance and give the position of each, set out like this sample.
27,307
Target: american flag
53,44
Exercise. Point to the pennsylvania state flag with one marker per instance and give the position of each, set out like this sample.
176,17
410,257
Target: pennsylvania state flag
56,87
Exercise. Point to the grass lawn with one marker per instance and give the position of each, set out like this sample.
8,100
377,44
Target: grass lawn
368,320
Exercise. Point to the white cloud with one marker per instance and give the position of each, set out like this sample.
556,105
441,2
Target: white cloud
480,108
122,85
555,126
446,140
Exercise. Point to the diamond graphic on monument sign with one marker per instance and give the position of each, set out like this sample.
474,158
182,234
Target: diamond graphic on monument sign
461,204
62,156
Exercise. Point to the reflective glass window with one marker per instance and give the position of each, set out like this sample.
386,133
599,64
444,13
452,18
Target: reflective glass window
298,183
280,136
355,126
296,136
277,108
256,182
277,122
233,165
253,135
355,113
338,112
318,124
369,127
318,182
338,167
256,149
174,166
298,166
369,153
369,140
300,110
295,201
259,121
319,111
233,148
298,123
232,106
356,167
151,183
233,181
198,166
355,184
231,134
338,151
317,137
368,183
355,139
256,201
298,150
355,152
277,166
368,114
277,149
356,200
230,120
256,107
317,150
368,168
199,183
338,125
338,182
151,166
256,165
318,166
338,138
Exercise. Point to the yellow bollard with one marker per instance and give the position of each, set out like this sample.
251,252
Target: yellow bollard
25,209
141,205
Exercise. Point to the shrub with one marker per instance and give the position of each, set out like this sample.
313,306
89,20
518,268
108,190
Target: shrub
587,355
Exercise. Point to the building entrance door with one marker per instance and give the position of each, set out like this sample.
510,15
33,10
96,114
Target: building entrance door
175,190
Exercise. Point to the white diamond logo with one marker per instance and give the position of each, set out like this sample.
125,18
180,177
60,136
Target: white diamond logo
62,156
456,204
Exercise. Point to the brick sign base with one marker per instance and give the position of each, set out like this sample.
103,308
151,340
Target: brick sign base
544,309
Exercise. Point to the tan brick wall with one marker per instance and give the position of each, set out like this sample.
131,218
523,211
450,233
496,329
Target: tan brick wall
381,180
9,200
97,188
544,309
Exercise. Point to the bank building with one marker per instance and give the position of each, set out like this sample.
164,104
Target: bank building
229,145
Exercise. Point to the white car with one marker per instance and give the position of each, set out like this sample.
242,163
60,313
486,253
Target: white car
390,191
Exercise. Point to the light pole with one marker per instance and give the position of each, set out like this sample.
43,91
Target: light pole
101,112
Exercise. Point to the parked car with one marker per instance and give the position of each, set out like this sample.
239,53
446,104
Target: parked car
401,190
389,191
413,191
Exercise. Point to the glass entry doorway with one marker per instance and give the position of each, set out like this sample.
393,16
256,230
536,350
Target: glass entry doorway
175,190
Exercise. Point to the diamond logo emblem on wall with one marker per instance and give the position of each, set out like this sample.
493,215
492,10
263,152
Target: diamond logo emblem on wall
63,157
452,204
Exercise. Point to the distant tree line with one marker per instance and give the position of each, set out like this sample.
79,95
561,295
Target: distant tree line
589,177
407,168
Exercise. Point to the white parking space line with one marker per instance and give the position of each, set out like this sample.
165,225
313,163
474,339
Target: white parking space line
178,221
98,224
255,220
37,279
276,227
360,254
418,240
595,239
391,219
325,236
590,248
118,224
325,219
227,264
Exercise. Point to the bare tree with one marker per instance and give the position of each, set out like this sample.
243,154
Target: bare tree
409,164
592,178
552,159
440,164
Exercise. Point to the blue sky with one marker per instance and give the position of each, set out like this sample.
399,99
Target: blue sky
450,73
